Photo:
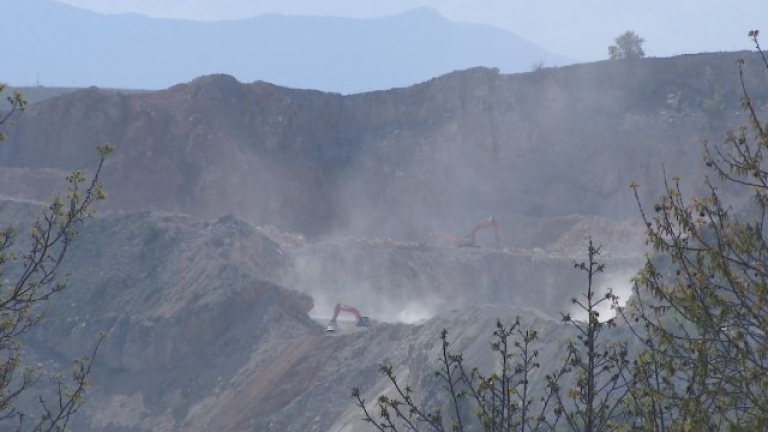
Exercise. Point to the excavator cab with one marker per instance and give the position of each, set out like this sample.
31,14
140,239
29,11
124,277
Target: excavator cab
364,321
331,327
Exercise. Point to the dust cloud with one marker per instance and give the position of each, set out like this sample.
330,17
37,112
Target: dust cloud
620,284
365,279
532,150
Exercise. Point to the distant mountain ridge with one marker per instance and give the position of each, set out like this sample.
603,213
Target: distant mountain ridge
59,45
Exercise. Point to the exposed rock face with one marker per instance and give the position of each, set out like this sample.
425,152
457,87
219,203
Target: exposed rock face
403,163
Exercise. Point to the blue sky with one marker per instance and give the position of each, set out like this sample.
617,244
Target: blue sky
578,29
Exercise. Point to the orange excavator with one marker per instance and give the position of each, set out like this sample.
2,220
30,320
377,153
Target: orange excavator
362,321
469,240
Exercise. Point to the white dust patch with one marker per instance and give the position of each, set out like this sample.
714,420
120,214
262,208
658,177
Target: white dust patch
619,282
416,312
371,305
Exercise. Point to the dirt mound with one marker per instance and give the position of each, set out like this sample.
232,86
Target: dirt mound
203,336
184,303
624,239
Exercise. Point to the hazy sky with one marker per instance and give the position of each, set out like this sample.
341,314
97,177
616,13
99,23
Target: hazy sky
579,29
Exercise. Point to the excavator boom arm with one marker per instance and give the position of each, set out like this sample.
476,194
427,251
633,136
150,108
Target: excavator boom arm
488,223
344,308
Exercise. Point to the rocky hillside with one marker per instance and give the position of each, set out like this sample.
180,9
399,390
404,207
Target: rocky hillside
204,334
402,163
239,214
185,304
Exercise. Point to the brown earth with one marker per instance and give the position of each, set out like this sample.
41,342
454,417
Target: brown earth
270,388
